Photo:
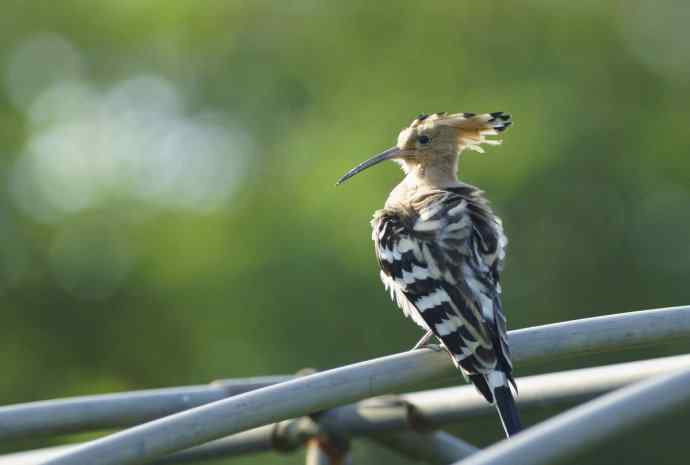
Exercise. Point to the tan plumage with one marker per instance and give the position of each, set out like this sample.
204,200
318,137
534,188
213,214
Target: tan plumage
441,249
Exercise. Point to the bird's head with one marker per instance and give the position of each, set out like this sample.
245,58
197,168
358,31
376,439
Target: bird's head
437,139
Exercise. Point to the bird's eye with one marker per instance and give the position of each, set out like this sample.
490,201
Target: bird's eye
424,140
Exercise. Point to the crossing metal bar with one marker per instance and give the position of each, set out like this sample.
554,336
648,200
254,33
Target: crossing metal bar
589,423
600,334
126,409
434,448
438,406
442,406
421,410
261,439
90,413
328,389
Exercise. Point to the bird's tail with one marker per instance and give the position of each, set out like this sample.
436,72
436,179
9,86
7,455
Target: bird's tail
505,403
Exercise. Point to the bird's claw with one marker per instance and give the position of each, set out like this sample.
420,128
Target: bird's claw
429,345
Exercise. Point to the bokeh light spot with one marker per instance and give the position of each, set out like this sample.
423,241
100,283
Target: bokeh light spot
37,63
133,142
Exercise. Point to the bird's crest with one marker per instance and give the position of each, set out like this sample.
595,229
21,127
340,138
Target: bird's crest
472,128
434,141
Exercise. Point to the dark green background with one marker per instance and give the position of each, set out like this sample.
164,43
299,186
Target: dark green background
239,257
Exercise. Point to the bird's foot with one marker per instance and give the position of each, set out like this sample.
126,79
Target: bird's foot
433,346
424,341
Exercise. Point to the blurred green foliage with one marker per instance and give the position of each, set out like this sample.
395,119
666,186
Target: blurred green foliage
168,213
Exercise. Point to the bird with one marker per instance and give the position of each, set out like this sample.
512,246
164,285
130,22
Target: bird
441,248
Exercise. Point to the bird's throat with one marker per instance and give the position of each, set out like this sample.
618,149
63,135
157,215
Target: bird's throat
434,174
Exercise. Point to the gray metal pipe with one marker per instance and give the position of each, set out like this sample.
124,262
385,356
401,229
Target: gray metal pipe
589,423
88,413
330,388
421,410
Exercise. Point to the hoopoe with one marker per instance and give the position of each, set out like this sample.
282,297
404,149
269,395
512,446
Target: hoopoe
441,248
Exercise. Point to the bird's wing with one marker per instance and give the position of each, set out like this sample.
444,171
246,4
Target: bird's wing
441,260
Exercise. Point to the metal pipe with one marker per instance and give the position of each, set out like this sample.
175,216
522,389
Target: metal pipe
417,411
88,413
589,423
328,389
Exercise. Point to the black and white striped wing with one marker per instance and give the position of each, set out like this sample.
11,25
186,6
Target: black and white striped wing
440,261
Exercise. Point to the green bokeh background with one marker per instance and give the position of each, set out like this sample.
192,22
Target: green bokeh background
241,258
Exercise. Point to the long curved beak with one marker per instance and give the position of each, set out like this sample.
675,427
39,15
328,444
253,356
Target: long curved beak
386,155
